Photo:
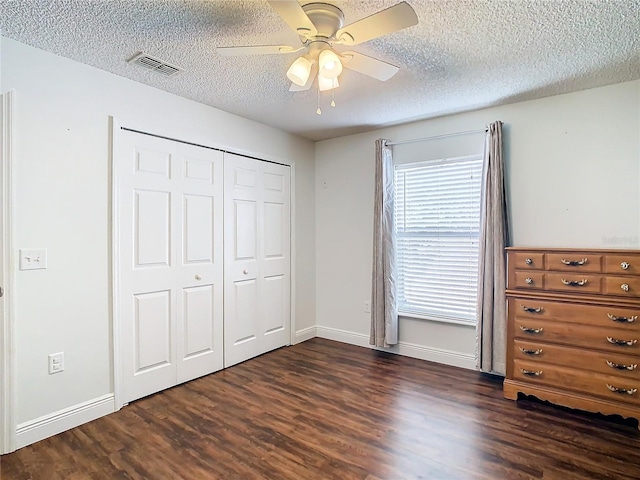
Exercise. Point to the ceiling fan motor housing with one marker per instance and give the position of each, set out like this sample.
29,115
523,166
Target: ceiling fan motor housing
327,19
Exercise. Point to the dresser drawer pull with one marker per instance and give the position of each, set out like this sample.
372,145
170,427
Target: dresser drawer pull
528,280
625,265
574,263
532,373
528,261
621,343
532,352
620,366
532,309
622,319
628,391
575,283
625,287
532,331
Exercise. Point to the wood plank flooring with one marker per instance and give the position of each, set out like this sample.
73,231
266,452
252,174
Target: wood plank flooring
326,410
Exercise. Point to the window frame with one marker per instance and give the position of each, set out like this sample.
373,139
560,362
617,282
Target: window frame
412,165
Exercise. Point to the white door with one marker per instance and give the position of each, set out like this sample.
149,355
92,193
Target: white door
257,258
171,263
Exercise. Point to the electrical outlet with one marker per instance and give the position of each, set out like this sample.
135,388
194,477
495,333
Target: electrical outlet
33,259
367,306
56,363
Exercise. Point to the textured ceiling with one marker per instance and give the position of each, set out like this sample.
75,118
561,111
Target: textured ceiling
463,55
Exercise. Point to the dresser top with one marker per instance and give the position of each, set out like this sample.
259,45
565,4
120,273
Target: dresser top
615,251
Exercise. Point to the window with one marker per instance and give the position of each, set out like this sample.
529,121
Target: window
437,213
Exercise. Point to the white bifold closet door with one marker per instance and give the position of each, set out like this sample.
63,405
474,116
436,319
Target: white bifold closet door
170,217
257,286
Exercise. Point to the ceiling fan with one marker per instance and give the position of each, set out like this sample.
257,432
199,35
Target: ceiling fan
321,26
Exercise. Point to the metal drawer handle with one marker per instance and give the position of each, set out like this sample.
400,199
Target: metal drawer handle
528,261
575,263
622,343
625,265
532,352
575,283
528,280
625,287
620,366
628,391
532,309
532,373
622,319
533,331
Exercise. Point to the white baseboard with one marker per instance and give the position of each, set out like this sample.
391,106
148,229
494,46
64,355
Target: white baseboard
431,354
62,420
305,334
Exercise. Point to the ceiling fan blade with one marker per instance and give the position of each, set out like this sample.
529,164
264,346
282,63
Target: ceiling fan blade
306,86
391,20
256,50
293,14
372,67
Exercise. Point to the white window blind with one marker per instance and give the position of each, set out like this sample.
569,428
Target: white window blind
437,229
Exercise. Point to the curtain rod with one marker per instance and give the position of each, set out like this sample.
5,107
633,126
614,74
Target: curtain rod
435,136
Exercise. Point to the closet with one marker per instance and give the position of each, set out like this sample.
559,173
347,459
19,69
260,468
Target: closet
202,280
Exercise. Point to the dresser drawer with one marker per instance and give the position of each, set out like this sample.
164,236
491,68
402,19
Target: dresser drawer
529,280
573,282
526,260
601,385
573,262
618,318
608,363
628,263
575,335
622,286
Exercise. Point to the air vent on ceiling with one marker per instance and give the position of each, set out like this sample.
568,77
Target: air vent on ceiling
155,64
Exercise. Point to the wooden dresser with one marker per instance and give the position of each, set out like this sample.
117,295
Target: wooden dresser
573,329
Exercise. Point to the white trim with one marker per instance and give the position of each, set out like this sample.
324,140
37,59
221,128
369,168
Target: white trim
431,354
305,334
435,318
7,320
116,360
292,253
62,420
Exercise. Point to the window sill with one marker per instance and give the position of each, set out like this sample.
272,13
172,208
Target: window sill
433,318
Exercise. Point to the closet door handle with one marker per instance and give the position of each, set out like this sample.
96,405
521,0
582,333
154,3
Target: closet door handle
622,319
245,272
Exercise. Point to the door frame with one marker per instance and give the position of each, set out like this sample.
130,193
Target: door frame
115,129
7,279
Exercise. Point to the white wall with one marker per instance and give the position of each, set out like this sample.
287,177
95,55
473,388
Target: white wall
573,179
62,203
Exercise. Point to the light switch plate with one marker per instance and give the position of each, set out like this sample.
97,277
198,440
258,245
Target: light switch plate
56,363
33,258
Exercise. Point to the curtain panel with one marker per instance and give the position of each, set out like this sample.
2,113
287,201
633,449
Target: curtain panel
494,234
384,310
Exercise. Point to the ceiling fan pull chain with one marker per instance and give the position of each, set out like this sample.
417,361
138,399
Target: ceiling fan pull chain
333,93
318,111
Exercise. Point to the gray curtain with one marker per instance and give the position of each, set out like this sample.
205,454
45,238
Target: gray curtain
384,311
491,330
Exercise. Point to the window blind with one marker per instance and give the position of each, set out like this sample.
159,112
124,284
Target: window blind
437,215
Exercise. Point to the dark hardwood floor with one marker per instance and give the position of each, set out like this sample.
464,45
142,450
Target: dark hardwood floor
326,410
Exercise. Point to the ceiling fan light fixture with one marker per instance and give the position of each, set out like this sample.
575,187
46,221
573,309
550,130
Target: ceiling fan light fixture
299,71
330,65
325,84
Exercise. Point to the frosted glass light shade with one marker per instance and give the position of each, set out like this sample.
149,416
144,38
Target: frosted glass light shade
330,65
299,71
327,83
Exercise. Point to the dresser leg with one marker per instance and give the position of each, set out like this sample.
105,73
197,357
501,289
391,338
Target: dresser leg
509,391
